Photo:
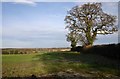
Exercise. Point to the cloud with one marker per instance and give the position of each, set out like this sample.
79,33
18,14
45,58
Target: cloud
107,39
38,36
29,2
16,37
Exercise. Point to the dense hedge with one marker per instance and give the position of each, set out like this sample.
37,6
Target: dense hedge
111,50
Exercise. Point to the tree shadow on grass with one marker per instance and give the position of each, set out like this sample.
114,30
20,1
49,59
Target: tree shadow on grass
55,62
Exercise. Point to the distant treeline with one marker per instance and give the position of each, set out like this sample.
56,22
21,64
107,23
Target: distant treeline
110,50
31,50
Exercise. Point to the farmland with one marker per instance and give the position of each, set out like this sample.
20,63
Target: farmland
60,63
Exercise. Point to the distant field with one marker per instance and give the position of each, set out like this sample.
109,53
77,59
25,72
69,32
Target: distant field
45,63
31,50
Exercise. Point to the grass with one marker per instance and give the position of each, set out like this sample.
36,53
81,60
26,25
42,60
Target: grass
44,63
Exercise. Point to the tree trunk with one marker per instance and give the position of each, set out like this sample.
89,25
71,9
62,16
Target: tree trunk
88,46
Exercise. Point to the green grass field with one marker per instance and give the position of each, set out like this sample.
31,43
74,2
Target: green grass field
44,63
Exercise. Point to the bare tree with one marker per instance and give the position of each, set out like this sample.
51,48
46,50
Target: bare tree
89,20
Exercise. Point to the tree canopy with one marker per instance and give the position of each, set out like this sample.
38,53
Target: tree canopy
88,20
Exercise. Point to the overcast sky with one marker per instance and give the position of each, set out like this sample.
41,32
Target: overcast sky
41,24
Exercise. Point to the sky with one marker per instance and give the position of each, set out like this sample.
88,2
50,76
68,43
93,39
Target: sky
29,24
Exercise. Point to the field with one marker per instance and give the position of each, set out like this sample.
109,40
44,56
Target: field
60,64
